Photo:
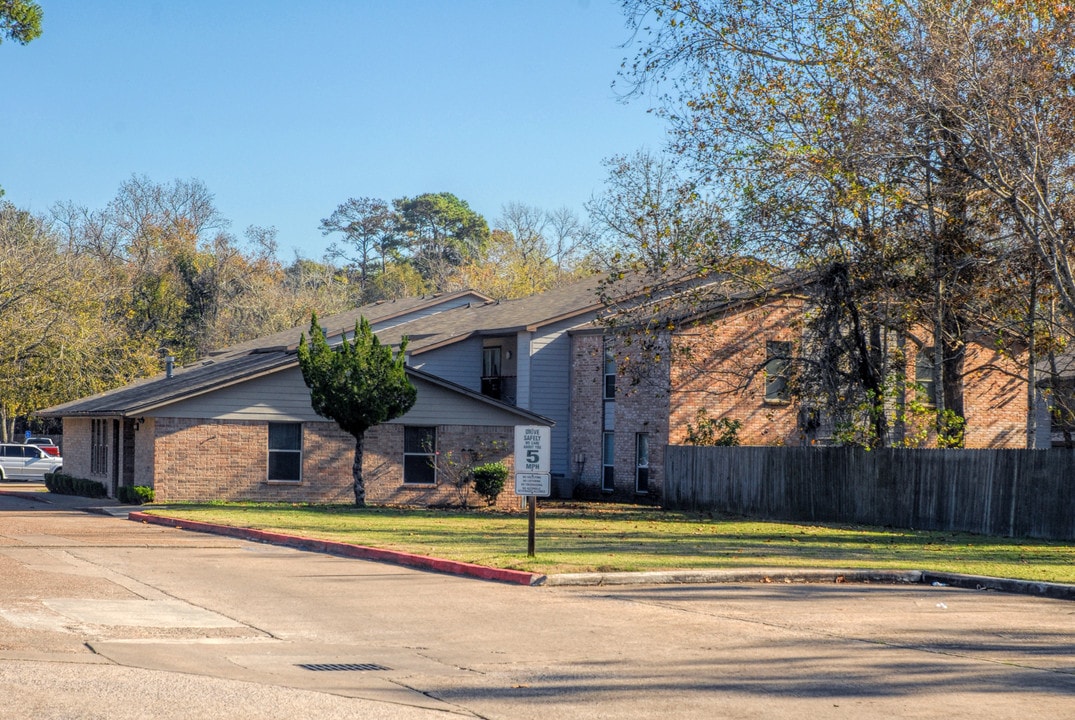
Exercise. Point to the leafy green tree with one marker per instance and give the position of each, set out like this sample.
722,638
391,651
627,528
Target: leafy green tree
20,20
358,384
56,341
183,283
900,149
444,234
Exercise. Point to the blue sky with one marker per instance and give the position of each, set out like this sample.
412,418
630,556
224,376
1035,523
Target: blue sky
285,109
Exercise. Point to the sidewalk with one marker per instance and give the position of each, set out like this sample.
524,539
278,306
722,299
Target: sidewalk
37,493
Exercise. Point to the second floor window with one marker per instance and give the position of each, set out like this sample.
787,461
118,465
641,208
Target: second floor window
609,374
491,362
777,371
923,375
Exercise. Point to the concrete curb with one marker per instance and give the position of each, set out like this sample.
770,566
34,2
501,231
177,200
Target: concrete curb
360,552
1056,591
752,575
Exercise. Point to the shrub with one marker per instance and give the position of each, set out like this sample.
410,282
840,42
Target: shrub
489,480
64,484
134,495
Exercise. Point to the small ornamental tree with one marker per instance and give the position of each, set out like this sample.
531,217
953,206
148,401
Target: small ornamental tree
358,384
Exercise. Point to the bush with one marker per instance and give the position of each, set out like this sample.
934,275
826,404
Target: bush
63,484
136,495
489,480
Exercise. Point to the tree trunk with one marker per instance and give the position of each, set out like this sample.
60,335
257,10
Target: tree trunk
356,473
1031,368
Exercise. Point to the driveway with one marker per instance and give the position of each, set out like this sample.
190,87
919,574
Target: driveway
102,617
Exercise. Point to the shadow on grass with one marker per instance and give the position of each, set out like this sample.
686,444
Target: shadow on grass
580,538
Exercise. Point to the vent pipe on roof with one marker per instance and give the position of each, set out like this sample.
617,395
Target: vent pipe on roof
169,366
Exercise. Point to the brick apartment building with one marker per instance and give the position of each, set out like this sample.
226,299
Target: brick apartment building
224,427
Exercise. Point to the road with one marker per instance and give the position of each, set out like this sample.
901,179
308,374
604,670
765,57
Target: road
101,617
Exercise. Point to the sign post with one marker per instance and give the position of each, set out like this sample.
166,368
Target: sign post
533,452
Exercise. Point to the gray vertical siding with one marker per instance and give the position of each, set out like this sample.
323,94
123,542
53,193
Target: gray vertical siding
460,363
550,379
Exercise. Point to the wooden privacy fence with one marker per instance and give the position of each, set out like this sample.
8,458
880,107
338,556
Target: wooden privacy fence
1019,493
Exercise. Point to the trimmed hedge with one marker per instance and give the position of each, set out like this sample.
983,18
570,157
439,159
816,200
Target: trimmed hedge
134,495
63,484
489,480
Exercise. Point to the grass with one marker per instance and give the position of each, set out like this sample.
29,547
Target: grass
602,537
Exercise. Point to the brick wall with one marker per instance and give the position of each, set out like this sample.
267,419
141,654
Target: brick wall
716,366
640,407
458,447
587,382
994,397
996,401
212,460
76,449
143,453
200,460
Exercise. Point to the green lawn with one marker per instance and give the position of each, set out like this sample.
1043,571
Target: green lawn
604,537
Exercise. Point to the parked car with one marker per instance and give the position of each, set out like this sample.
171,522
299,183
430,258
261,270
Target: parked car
26,462
45,444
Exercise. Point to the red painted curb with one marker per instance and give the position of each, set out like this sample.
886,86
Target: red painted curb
362,552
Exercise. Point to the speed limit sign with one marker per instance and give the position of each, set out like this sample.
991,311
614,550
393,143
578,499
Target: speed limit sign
532,460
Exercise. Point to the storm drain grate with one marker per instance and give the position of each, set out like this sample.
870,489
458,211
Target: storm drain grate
347,667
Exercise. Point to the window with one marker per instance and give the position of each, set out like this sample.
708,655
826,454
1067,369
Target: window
608,470
98,446
285,452
491,362
777,370
610,374
420,455
642,463
493,383
923,376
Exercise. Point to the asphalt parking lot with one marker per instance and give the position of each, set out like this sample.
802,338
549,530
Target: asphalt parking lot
102,617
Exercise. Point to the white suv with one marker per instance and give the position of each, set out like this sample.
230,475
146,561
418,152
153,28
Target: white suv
26,462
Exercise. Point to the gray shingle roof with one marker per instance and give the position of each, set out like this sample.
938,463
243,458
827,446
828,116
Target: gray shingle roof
497,317
271,353
248,360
